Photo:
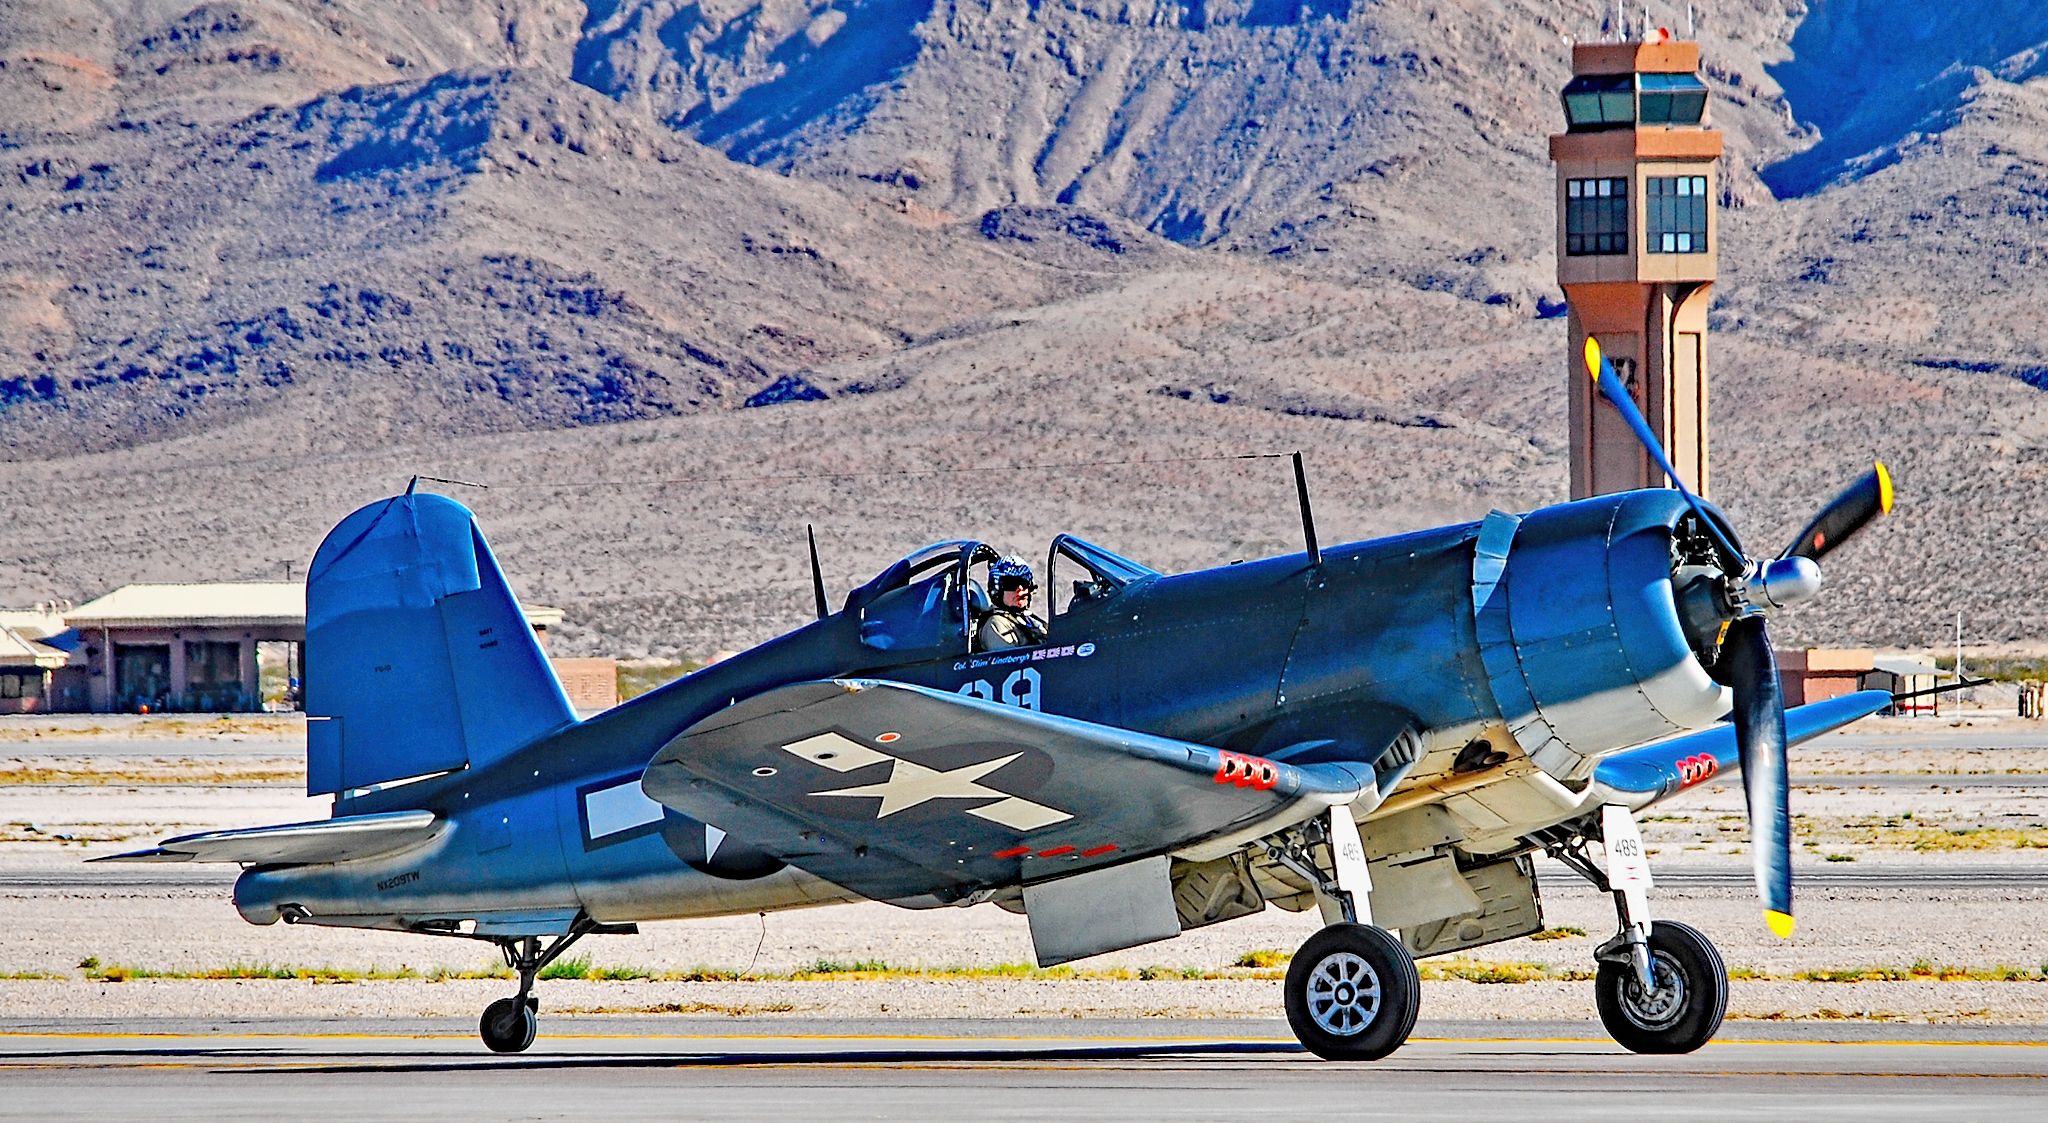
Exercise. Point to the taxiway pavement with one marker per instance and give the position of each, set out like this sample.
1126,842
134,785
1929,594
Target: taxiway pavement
780,1069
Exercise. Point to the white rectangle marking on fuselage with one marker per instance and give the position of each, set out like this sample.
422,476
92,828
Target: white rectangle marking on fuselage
619,808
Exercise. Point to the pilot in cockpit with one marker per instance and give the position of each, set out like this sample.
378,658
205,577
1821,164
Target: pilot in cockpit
1009,622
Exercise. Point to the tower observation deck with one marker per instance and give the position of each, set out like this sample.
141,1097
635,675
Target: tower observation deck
1637,241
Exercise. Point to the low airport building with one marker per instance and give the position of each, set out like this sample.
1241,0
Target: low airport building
190,648
29,667
219,647
1815,674
1905,675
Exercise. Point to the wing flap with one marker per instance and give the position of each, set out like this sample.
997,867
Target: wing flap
321,842
916,796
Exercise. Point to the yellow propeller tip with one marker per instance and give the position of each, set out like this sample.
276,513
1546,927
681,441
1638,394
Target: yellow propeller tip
1884,488
1780,923
1593,357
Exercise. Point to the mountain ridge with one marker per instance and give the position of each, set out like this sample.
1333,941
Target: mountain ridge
1053,269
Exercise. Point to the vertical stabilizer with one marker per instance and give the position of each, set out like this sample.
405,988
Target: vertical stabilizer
418,658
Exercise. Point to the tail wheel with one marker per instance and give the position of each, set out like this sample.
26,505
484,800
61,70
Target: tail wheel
509,1024
1352,993
1679,1014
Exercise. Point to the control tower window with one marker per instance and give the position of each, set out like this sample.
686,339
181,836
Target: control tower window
1673,99
1677,222
1600,101
1596,216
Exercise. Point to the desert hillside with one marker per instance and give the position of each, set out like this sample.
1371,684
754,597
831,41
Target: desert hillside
675,279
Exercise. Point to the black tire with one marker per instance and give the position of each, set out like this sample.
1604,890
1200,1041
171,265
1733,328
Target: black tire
1352,993
1685,1010
509,1025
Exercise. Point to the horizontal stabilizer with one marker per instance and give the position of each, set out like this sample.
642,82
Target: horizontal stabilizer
917,796
1663,767
322,842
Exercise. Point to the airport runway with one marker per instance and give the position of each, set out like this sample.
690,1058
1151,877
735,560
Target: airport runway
1171,1070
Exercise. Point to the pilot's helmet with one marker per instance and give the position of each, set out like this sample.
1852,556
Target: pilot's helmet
1009,572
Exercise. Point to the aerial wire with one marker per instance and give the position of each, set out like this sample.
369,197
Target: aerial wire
778,477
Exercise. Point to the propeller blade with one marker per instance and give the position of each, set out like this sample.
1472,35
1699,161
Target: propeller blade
1846,514
1760,737
1617,395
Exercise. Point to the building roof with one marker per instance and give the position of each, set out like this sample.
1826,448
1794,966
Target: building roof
225,604
221,604
32,623
17,650
1905,665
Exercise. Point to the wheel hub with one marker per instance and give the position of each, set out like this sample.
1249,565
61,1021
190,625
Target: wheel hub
1659,1007
1343,994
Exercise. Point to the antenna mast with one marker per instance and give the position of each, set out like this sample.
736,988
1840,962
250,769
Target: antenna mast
817,573
1308,517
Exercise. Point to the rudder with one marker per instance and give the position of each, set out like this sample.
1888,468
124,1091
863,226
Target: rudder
418,657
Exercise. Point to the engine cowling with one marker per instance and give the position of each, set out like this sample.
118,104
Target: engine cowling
1581,630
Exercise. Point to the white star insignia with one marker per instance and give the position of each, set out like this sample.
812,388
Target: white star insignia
911,784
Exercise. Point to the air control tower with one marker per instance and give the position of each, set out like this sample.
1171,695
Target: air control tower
1636,243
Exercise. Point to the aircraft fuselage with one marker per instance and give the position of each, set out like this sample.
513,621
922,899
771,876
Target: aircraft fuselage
1557,635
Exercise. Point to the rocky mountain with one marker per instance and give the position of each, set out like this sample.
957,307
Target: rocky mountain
676,278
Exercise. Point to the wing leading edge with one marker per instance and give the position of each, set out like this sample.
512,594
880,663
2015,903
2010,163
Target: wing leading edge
1655,771
920,797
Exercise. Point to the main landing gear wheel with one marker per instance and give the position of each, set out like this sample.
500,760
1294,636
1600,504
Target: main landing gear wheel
509,1024
1682,1011
1352,993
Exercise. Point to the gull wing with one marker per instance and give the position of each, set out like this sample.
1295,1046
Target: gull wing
297,844
1649,774
919,797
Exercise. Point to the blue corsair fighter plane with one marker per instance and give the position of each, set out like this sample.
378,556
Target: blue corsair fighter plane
1386,731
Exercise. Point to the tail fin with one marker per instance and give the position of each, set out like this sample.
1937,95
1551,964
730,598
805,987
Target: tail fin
418,659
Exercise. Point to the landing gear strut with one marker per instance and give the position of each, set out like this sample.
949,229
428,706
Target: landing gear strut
509,1024
1352,990
1661,987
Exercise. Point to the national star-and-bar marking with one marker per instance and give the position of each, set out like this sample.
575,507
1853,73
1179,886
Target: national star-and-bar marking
911,784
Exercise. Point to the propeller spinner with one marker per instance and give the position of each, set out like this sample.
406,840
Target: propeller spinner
1750,590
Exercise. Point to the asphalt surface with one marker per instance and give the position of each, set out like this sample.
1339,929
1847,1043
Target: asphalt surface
1937,734
1179,1070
